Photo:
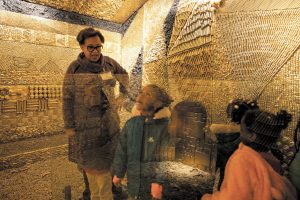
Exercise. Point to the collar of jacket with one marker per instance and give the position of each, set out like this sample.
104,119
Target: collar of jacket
91,66
162,113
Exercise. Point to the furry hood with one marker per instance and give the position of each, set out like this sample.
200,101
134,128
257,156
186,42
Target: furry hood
224,128
163,113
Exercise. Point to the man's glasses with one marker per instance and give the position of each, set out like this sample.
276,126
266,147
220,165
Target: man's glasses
91,48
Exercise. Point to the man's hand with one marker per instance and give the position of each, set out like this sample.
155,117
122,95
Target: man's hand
117,181
70,132
156,190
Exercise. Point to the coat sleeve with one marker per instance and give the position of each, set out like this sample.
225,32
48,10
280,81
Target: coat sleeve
68,98
120,158
238,181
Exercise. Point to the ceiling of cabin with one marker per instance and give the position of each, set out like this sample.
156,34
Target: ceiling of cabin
117,11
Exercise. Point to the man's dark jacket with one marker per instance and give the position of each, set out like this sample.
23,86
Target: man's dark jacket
89,107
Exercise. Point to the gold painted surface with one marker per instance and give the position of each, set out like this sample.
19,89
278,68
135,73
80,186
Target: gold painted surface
283,92
132,53
132,42
158,48
30,25
28,22
91,8
41,31
251,55
127,9
185,9
155,12
196,30
258,52
111,10
254,5
12,33
156,73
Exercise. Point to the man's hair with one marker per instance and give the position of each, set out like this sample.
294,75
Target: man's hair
87,33
267,127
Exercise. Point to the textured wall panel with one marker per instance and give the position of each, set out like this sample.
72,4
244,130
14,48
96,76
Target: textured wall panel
154,42
156,72
11,33
91,8
254,5
203,63
31,22
132,42
111,10
32,123
126,9
23,7
158,48
30,64
169,22
283,92
185,9
132,59
251,55
258,44
196,30
29,29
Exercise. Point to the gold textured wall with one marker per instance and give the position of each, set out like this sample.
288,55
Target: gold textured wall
154,62
248,54
131,45
111,10
253,5
233,52
90,8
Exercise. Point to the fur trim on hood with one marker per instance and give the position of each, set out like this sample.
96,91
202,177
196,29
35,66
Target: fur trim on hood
224,128
162,113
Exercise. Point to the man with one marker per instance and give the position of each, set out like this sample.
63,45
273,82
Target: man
90,111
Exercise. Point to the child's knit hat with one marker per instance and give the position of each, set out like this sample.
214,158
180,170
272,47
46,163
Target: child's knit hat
265,125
